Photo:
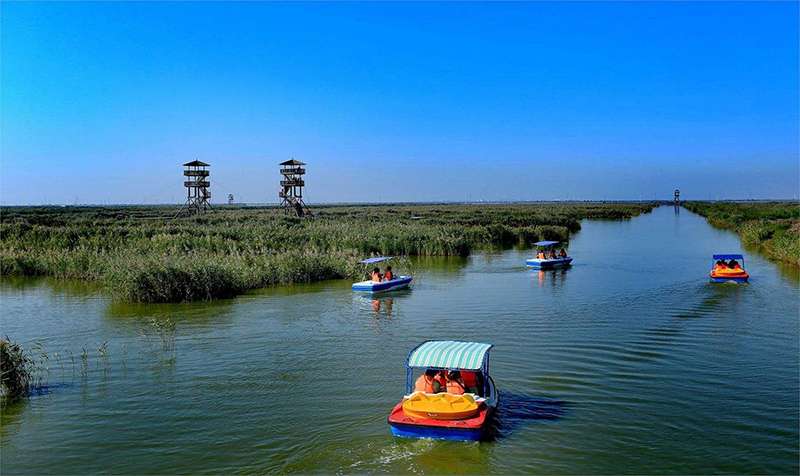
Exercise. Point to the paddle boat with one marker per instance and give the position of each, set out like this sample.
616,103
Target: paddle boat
464,412
370,286
546,246
725,274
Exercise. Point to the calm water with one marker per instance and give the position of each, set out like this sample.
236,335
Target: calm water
630,361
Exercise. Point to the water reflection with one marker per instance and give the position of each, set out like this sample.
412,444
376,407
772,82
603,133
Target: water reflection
203,311
551,277
11,416
434,266
381,304
387,305
67,287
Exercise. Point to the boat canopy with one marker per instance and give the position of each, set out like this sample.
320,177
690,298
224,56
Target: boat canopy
449,354
728,257
546,243
376,259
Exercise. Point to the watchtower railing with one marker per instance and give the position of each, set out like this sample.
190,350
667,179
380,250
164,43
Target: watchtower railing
197,183
293,183
293,171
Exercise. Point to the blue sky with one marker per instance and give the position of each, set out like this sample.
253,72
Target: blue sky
400,101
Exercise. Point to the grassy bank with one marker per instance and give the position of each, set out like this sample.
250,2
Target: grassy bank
143,255
772,227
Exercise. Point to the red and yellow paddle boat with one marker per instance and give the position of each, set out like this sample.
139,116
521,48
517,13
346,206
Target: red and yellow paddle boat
454,398
726,269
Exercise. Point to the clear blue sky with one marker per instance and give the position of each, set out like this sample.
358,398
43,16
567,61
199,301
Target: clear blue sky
400,101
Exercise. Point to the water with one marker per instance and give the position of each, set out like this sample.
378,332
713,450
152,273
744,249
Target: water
629,362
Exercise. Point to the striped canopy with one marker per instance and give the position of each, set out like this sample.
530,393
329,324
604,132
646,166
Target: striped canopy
449,354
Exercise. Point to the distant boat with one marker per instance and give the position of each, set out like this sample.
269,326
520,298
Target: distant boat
726,274
559,262
370,286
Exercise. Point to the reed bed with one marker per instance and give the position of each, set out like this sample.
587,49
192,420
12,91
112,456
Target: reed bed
16,370
140,254
771,227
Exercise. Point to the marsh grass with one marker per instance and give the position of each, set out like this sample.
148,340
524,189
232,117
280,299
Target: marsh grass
84,361
771,227
36,371
166,330
16,369
139,254
102,356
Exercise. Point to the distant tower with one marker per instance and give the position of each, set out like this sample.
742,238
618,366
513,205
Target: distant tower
230,199
197,194
677,197
292,184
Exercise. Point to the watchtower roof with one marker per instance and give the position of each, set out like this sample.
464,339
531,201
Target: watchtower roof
196,163
292,162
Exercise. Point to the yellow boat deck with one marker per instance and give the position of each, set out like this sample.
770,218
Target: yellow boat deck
440,406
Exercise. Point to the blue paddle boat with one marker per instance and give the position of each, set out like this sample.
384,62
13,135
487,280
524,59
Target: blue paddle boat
464,410
544,247
370,286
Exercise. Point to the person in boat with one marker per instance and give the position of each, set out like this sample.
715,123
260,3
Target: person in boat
376,275
721,264
388,275
473,381
541,255
562,253
453,383
733,264
459,383
552,254
432,381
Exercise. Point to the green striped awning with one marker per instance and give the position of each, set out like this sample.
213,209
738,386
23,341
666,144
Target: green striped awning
449,354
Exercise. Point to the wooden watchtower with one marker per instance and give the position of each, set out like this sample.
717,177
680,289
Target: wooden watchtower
197,195
292,184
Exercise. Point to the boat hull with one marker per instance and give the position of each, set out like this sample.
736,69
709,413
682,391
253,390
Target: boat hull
728,278
472,429
409,431
738,279
549,263
475,428
384,286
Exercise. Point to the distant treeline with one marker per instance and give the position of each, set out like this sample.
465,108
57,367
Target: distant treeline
773,227
141,254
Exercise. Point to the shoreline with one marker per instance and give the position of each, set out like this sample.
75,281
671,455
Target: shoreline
771,227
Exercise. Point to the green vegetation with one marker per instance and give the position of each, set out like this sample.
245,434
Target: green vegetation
143,255
772,227
16,369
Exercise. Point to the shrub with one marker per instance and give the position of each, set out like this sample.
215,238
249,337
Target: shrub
16,368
